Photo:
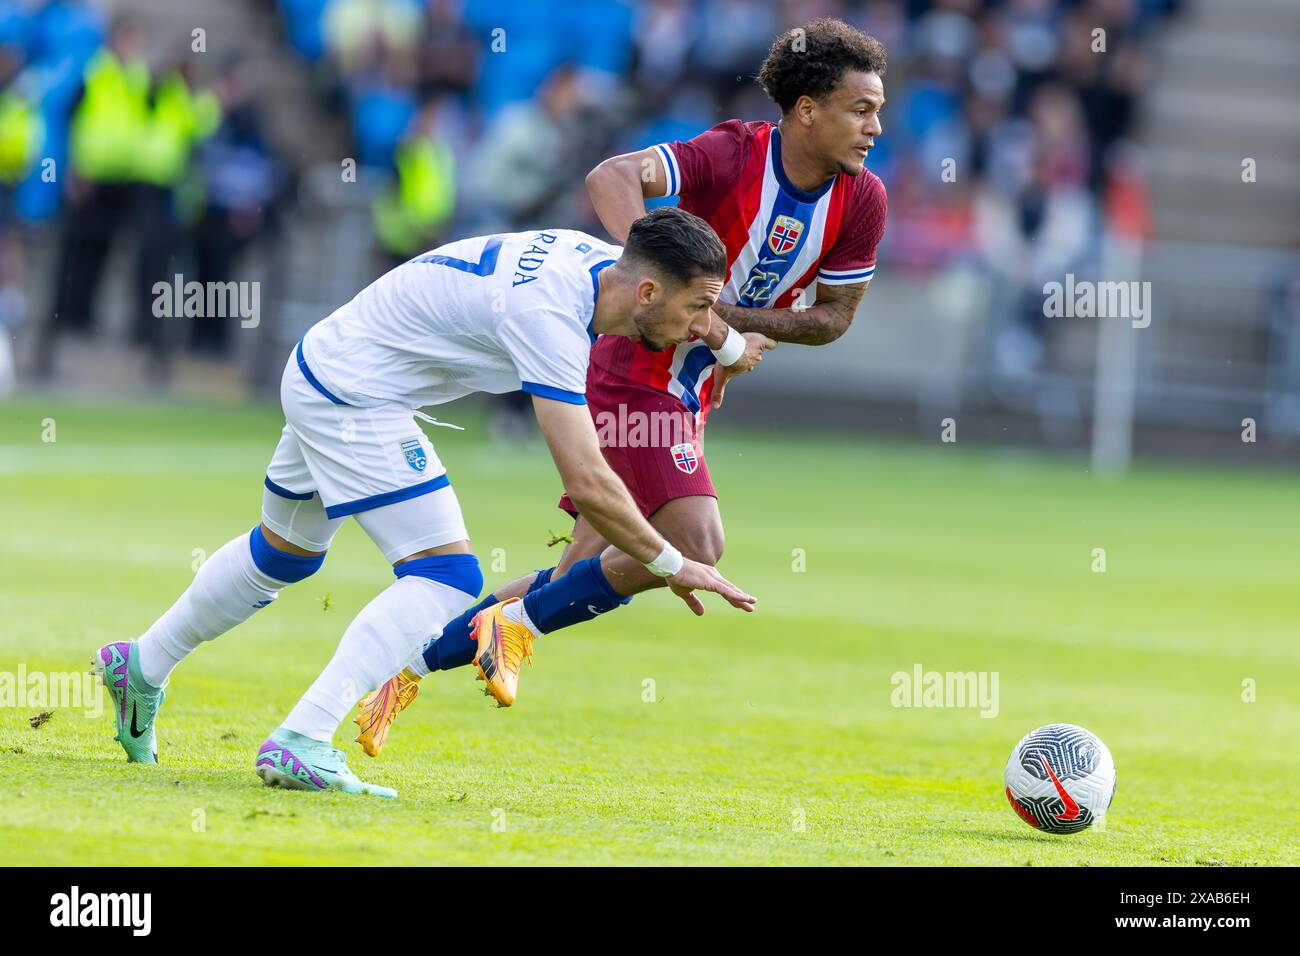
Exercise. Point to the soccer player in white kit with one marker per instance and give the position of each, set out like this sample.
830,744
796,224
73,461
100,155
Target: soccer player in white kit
488,314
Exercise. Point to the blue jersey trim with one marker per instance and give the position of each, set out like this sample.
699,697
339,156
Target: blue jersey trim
595,295
558,394
311,379
286,493
459,571
779,170
487,260
387,498
668,159
843,277
696,362
281,565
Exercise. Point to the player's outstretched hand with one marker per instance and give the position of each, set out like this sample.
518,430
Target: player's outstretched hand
756,343
695,576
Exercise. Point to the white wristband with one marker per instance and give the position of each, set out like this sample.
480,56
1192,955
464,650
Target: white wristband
668,563
730,351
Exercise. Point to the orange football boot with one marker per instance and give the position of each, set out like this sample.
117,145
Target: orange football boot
502,646
380,708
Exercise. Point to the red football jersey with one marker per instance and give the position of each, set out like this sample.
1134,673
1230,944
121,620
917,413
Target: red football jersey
780,240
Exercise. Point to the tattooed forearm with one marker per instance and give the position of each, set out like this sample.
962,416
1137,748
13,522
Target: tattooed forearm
824,322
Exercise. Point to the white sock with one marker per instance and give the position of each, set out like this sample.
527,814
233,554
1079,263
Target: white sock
418,666
518,614
227,590
377,644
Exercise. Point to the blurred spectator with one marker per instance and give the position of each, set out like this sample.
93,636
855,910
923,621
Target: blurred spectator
546,87
661,44
531,155
109,120
131,145
243,184
410,215
359,33
481,115
1108,86
178,120
1038,224
383,106
448,56
60,37
22,131
733,39
21,136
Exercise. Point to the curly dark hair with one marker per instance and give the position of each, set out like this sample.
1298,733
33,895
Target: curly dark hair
812,59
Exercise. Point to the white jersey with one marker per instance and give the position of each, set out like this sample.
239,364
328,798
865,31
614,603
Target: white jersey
488,314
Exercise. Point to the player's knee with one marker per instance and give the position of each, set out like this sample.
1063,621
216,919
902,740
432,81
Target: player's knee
702,544
281,565
459,571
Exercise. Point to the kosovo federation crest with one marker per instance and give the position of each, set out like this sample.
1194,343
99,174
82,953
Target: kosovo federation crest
684,458
415,456
784,235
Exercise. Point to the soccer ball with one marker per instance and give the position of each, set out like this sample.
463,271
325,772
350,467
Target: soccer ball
1060,778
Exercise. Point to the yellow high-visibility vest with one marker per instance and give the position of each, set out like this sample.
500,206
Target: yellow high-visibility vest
22,133
110,119
178,120
424,197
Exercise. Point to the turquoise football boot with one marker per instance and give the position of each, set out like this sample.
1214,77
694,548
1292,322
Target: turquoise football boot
135,700
287,759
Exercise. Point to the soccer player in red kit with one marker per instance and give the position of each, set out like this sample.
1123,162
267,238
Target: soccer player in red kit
800,216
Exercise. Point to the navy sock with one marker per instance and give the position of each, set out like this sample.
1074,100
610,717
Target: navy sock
455,647
579,595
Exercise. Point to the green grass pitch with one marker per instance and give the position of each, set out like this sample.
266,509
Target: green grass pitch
764,739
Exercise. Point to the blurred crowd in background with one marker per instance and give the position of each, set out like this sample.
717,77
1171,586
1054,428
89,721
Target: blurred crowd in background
1012,95
108,135
481,115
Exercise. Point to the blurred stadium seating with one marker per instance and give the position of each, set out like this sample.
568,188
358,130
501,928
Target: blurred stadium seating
1014,152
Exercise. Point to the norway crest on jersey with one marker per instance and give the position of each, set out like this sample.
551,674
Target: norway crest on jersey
784,235
684,457
415,456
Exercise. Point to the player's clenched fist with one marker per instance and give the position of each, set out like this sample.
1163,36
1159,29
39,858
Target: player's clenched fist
755,344
695,576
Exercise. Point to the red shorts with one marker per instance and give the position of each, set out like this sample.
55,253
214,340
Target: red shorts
649,438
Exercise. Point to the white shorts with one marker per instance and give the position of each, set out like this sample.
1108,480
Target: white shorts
373,462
